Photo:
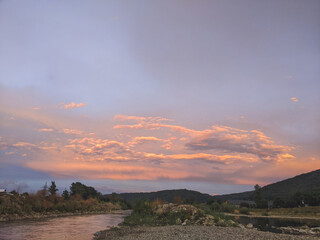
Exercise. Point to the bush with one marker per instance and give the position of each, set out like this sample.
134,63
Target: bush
244,204
244,210
225,207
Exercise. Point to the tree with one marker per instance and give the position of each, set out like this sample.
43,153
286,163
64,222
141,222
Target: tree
44,191
53,188
84,191
65,194
278,203
258,198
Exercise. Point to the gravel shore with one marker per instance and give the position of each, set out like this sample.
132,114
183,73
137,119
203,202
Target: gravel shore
193,232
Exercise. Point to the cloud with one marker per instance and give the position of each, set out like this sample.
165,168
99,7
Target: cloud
220,139
72,131
232,140
294,99
148,148
23,144
151,123
45,130
95,146
121,117
73,105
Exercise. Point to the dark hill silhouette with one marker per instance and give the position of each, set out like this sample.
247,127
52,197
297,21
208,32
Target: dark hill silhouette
168,196
304,183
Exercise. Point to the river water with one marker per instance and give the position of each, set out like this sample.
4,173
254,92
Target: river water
68,228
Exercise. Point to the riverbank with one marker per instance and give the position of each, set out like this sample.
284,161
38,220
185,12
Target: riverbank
36,216
193,232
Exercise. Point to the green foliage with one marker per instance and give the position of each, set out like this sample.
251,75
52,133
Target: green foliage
84,191
142,214
258,197
244,210
244,205
226,207
53,188
145,213
216,207
298,200
65,195
115,198
29,204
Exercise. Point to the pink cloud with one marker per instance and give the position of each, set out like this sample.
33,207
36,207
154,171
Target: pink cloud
73,105
45,130
72,131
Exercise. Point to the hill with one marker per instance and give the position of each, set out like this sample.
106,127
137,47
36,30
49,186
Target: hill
304,183
168,196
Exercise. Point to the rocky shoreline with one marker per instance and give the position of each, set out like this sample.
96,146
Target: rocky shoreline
193,232
172,221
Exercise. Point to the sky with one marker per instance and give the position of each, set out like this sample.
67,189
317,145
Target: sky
134,96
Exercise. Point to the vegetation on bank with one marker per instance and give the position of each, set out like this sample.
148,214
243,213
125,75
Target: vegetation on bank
158,212
80,198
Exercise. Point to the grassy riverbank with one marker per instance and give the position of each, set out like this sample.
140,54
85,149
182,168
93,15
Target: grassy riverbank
81,200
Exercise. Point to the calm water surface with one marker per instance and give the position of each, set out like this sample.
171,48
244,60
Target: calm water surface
70,228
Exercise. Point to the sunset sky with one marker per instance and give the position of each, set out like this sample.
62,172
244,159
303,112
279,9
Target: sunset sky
214,96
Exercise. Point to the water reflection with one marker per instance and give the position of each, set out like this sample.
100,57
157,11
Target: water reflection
69,228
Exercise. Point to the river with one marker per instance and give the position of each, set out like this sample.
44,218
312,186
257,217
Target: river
68,228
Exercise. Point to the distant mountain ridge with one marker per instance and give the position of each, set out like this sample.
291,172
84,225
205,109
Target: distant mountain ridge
304,183
285,189
167,195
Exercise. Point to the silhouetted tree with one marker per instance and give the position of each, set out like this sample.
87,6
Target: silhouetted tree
84,191
44,191
53,188
258,198
278,203
65,194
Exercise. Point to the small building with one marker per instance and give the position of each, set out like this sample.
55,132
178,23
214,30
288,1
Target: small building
3,191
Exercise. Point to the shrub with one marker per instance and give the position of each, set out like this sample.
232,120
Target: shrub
244,210
225,207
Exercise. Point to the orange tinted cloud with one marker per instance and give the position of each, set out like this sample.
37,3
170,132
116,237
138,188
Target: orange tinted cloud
149,148
294,99
72,131
45,130
73,105
23,144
